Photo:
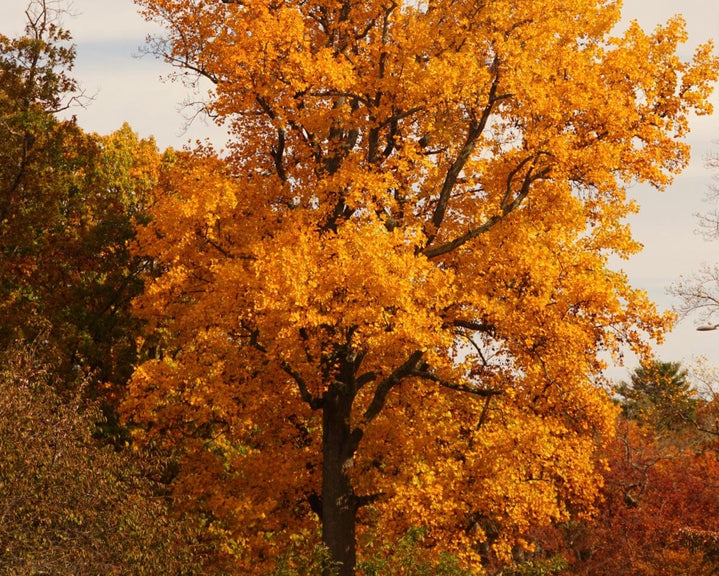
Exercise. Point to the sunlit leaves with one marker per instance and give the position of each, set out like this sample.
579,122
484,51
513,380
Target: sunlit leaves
412,222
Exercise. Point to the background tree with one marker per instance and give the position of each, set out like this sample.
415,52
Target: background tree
659,497
660,488
699,293
659,395
386,304
656,496
68,204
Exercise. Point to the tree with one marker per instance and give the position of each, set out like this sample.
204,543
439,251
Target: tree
68,204
699,293
654,493
386,303
659,395
659,494
660,501
658,514
69,201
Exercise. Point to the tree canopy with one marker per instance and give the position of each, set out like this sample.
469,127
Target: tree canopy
68,204
660,486
387,304
659,395
70,501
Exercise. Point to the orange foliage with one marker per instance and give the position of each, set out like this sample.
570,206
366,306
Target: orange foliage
391,295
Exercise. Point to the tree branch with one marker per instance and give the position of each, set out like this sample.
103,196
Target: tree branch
383,389
367,499
314,402
278,153
483,392
508,205
485,410
186,64
472,325
365,378
474,131
463,239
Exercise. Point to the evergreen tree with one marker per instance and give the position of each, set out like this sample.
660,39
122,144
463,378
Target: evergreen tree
659,395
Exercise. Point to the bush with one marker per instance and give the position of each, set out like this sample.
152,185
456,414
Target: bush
69,505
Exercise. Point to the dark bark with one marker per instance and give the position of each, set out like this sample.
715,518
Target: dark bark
339,502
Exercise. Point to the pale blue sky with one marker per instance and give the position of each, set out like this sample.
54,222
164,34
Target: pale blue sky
109,34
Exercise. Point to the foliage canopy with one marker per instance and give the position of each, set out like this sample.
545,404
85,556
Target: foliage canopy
659,395
387,302
71,504
68,204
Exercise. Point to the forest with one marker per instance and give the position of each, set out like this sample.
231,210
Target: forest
370,337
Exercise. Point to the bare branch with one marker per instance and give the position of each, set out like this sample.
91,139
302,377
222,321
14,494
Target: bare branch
185,64
699,293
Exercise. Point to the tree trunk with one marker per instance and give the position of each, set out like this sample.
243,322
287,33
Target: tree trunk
339,503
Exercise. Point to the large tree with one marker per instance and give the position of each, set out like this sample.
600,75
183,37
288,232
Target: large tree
389,301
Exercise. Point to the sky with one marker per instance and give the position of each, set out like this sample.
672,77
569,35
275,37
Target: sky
128,87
